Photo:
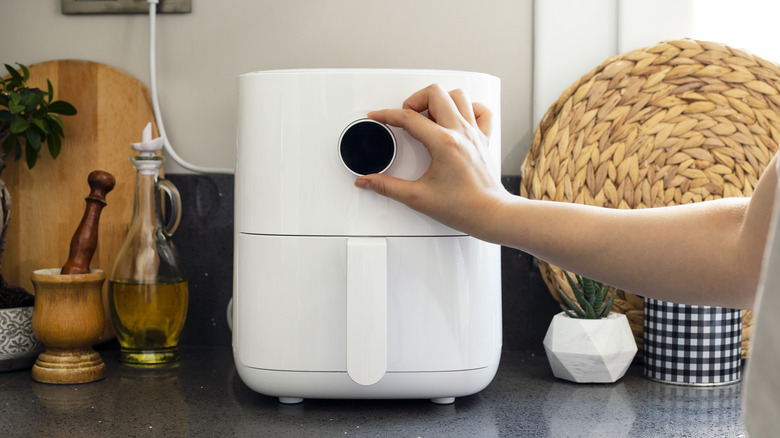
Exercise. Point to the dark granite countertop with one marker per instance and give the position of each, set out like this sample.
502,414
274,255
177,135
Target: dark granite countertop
203,396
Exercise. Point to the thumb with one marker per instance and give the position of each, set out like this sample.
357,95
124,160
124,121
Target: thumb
394,188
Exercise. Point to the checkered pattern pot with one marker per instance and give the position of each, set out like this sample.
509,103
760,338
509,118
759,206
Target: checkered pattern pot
692,345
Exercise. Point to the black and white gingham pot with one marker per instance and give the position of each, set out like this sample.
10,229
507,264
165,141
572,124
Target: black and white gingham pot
692,345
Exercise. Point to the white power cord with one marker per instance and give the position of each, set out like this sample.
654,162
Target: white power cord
156,104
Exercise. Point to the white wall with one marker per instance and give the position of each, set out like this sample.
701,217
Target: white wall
201,53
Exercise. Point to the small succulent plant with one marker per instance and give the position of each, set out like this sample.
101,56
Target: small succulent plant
593,298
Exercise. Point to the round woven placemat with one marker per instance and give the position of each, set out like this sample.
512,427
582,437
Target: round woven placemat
680,122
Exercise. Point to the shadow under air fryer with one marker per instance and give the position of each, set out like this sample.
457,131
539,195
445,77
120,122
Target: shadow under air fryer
340,292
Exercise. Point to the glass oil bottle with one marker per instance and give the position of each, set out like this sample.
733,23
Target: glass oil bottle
148,296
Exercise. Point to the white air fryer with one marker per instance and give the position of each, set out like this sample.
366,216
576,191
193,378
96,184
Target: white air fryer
340,292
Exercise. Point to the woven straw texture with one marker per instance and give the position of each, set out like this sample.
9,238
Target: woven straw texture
680,122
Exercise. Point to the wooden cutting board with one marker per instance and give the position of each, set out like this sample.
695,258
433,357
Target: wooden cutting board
48,201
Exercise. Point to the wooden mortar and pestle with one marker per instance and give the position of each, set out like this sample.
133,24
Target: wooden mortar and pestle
68,312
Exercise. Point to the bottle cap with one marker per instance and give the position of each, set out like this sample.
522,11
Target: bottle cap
148,146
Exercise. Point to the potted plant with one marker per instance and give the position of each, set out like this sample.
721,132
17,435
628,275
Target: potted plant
28,119
586,343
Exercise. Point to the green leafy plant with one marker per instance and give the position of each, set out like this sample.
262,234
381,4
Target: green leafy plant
593,298
27,120
28,117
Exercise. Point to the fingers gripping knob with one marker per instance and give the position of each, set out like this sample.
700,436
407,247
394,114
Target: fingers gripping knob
367,146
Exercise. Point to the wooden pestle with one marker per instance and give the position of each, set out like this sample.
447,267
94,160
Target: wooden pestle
84,241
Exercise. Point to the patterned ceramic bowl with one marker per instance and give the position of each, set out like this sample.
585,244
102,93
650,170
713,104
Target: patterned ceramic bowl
18,346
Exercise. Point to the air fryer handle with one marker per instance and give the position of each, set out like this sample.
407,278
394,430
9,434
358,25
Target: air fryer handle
366,309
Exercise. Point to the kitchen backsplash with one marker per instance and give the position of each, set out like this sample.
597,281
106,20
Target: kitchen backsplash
205,242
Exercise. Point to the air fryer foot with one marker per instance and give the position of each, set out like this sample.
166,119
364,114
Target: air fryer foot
443,400
290,400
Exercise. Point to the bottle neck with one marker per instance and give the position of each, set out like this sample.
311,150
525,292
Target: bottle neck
145,209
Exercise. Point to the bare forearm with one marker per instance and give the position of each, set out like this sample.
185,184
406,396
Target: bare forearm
685,254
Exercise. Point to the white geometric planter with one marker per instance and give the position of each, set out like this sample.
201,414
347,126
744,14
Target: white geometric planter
589,350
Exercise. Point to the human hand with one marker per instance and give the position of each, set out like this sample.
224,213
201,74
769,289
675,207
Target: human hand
459,189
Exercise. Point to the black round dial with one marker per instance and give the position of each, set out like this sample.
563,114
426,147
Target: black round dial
367,146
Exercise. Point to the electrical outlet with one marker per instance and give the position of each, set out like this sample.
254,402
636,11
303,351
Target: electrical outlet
124,6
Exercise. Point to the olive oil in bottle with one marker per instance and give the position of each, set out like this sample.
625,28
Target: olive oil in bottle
148,319
147,294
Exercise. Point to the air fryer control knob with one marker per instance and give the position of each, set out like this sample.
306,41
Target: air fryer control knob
367,146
